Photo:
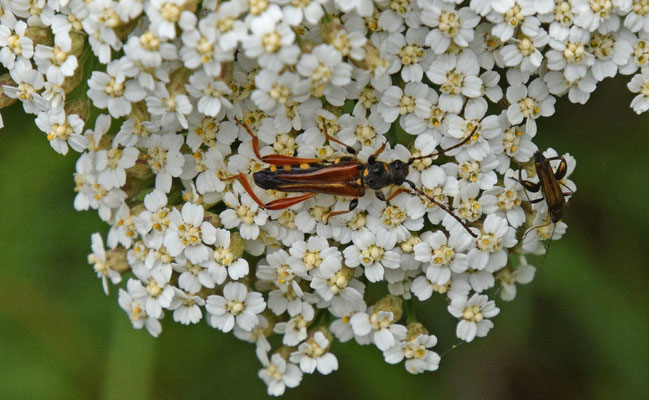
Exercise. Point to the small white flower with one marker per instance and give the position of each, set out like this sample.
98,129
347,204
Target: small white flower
443,255
236,267
137,312
374,252
294,330
457,77
640,84
450,24
57,62
111,90
62,130
490,253
474,314
14,44
593,15
313,354
193,277
407,54
189,234
244,213
201,48
271,42
327,73
416,352
164,157
111,165
155,297
529,103
508,278
275,92
509,15
236,305
505,201
571,55
171,107
164,15
186,307
210,92
278,374
384,330
101,267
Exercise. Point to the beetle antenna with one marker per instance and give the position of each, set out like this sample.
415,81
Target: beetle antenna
548,246
453,347
447,149
440,205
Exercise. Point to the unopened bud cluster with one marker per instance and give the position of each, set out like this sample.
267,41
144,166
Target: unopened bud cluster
155,94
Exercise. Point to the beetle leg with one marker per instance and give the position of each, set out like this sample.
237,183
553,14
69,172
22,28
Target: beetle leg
246,185
333,139
525,185
255,139
569,192
352,206
562,169
531,186
380,149
396,193
281,204
535,228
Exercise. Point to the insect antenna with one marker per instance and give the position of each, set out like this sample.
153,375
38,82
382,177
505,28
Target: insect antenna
412,159
549,243
547,248
453,347
440,205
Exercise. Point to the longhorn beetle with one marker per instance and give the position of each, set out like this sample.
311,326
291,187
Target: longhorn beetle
550,185
343,176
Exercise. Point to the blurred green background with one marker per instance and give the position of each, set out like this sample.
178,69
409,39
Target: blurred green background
580,330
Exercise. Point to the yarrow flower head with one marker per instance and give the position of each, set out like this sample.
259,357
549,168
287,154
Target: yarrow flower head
299,169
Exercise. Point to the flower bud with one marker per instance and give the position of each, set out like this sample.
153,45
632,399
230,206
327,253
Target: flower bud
285,352
330,30
123,29
391,304
237,244
6,101
408,245
372,60
80,106
78,45
177,81
140,170
414,330
212,218
40,35
72,82
325,331
227,70
116,260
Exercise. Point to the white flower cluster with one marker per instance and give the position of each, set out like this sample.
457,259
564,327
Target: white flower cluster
170,87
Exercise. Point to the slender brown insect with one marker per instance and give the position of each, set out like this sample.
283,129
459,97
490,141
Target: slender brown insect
550,185
343,176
